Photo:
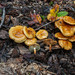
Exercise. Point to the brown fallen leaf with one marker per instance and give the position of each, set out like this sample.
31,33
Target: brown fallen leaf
35,19
50,43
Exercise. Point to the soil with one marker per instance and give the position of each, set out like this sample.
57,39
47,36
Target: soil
16,59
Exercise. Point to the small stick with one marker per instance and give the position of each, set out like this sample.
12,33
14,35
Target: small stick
3,17
46,24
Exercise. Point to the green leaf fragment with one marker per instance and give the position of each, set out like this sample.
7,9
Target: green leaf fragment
43,17
62,13
0,10
51,3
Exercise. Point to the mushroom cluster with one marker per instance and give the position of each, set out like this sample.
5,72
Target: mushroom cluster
22,34
66,25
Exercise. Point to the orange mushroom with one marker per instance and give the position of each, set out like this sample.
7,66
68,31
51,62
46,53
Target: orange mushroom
65,44
69,20
50,43
60,36
16,33
42,34
30,42
59,23
66,29
29,32
72,39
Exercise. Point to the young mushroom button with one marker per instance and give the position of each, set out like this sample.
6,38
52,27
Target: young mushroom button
50,42
34,48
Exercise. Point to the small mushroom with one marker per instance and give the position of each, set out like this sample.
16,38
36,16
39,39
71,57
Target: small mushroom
59,23
65,44
60,36
72,39
29,32
66,29
34,48
16,33
69,20
50,42
30,42
42,34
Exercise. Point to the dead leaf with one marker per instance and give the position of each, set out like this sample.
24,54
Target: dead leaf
53,13
35,19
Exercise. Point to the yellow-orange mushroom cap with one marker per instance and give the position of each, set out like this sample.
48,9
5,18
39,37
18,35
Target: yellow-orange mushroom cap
60,36
29,32
72,39
67,45
59,23
16,33
66,29
30,42
42,34
69,20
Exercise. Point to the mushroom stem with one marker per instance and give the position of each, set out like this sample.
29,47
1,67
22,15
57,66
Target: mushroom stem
50,47
35,51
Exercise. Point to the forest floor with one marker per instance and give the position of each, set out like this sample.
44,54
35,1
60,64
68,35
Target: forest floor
15,59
